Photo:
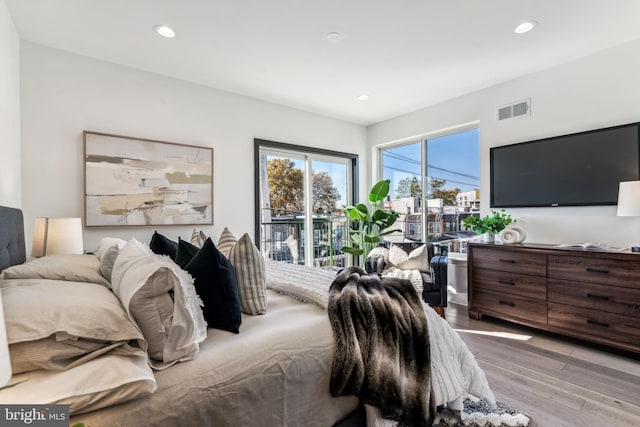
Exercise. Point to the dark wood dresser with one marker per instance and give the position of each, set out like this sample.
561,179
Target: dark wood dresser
587,294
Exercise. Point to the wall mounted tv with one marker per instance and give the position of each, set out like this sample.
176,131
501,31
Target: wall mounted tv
579,169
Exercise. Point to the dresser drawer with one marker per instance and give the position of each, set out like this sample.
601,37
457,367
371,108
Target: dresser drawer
625,301
609,326
616,272
501,304
522,285
511,261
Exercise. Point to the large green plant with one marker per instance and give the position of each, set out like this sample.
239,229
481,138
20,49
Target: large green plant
494,223
371,222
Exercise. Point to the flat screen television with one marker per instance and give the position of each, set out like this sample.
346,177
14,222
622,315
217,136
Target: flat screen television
579,169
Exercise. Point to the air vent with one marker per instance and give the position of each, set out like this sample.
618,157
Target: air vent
516,109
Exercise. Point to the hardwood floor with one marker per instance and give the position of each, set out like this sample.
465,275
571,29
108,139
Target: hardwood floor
557,381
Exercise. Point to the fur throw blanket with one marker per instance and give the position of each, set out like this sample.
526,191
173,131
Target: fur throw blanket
382,345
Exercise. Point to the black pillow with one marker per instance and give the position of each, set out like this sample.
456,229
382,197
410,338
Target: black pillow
161,245
215,282
186,251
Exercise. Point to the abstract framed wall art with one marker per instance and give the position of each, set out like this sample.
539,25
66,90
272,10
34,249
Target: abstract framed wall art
133,182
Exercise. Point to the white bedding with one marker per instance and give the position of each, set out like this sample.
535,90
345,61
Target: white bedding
454,371
274,373
93,384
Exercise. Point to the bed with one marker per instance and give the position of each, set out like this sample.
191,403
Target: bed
276,371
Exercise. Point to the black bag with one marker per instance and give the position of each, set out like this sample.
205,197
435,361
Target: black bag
439,269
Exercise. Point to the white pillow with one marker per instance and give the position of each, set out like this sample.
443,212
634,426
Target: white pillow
417,259
69,267
56,324
173,327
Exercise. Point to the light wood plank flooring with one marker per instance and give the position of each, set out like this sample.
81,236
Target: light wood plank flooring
558,381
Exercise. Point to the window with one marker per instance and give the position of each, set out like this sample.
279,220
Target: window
300,194
448,167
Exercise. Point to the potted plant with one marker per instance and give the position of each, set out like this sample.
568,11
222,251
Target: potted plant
488,225
371,222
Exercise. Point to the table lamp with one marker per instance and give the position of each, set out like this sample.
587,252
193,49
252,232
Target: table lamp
57,236
629,202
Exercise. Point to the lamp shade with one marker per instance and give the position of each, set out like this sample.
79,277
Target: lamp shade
629,198
57,236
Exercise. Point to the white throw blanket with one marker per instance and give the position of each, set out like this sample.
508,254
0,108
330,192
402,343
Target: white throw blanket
454,371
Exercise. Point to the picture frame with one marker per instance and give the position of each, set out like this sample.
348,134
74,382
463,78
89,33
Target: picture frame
136,182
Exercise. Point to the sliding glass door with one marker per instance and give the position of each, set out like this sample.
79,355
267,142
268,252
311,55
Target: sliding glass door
301,194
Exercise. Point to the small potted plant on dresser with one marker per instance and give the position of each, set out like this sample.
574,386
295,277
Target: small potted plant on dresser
489,225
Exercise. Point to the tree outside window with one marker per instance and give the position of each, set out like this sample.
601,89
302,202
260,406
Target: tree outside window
286,188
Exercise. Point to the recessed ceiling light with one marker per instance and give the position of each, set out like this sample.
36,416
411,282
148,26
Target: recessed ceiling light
333,37
525,26
165,31
363,97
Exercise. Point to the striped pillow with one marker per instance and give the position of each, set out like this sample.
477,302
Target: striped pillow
226,242
198,238
249,266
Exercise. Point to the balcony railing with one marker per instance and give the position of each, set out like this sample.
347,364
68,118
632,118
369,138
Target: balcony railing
439,227
283,238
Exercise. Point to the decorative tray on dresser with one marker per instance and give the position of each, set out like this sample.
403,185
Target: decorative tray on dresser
588,294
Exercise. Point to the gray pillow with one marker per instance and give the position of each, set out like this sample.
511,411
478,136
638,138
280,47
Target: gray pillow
107,261
106,243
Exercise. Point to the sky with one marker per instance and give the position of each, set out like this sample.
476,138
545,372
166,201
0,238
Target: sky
454,158
338,173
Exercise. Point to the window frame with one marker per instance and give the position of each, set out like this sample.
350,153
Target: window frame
422,139
265,144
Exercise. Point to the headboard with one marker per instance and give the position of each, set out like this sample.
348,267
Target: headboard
12,247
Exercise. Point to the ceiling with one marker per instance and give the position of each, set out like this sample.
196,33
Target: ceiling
404,54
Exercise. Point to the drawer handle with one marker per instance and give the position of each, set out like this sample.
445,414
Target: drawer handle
510,304
507,282
596,323
597,270
600,297
510,261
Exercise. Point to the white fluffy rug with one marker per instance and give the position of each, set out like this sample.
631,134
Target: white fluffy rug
477,413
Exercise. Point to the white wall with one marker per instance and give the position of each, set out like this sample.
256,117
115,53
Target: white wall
593,92
10,188
64,94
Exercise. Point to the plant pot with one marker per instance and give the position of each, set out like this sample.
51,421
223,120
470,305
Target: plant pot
488,237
